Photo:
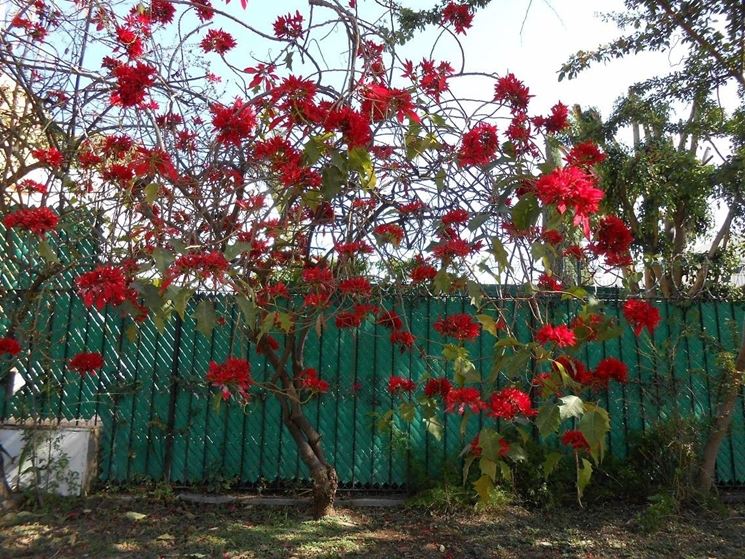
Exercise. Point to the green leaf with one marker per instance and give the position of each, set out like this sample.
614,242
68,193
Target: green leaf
205,317
46,252
548,419
267,324
483,487
151,192
248,308
488,468
359,160
434,428
180,300
526,212
285,321
151,296
236,248
499,253
595,424
550,463
489,324
584,473
571,406
477,221
440,180
132,333
442,282
407,410
162,259
467,465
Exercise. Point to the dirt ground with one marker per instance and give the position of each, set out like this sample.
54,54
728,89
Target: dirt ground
144,528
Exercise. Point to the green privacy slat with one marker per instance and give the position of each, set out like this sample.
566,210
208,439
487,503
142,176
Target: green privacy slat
132,395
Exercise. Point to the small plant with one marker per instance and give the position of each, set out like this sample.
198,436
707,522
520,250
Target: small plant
659,512
444,499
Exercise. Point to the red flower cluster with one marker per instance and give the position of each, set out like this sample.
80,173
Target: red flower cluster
570,187
389,319
513,92
575,369
234,372
454,248
610,368
479,145
458,326
640,315
586,154
9,346
380,103
586,328
355,247
576,440
390,232
459,15
405,340
510,402
86,363
549,283
218,41
234,123
437,387
355,287
397,385
105,284
612,240
37,220
456,217
561,335
353,319
556,121
309,380
460,399
289,26
202,264
423,272
132,83
50,156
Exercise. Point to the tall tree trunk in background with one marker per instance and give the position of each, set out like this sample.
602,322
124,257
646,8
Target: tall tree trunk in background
732,382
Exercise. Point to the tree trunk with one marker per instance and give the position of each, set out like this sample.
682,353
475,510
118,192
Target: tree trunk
325,483
732,382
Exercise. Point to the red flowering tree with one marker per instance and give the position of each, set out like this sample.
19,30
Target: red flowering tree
311,190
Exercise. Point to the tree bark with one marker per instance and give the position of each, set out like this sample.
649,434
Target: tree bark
732,382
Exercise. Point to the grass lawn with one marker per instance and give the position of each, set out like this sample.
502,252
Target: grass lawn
144,528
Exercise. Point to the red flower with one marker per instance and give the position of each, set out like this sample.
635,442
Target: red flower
434,80
50,156
458,399
561,335
202,264
640,315
234,372
611,368
390,232
453,217
86,363
218,41
289,26
479,145
458,326
396,385
423,272
512,91
356,287
37,220
318,274
459,15
405,340
556,121
453,248
509,403
576,440
309,380
380,103
105,284
131,41
570,187
356,247
389,319
549,283
234,123
162,11
612,240
132,83
437,387
587,328
205,12
585,154
9,346
348,319
552,236
354,126
474,447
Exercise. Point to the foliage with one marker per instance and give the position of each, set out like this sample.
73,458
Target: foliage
312,190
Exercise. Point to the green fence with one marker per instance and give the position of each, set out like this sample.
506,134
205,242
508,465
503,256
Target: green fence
159,420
